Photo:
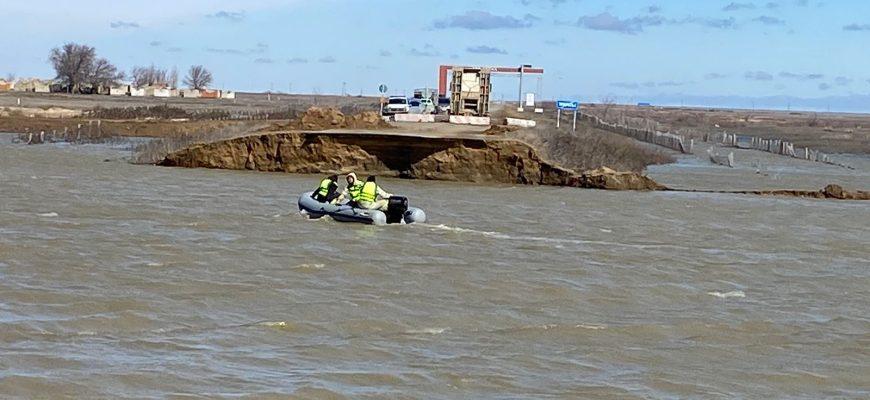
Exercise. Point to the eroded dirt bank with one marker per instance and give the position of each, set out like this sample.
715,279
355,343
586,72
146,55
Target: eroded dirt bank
450,159
483,160
831,192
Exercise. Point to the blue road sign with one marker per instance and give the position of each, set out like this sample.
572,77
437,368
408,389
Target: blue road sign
382,88
567,105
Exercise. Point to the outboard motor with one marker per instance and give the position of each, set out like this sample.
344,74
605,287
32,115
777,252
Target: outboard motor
397,205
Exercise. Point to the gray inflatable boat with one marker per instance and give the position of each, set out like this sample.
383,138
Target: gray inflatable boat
398,212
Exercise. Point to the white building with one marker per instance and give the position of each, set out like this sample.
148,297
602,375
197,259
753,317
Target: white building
123,90
190,93
157,91
33,85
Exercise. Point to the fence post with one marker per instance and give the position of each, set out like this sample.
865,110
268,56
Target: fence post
574,125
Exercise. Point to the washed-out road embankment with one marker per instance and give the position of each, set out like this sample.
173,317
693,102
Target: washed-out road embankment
464,157
326,141
467,158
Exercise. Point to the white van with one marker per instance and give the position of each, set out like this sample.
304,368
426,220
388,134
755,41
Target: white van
396,105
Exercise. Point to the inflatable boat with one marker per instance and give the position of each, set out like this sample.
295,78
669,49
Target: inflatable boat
397,213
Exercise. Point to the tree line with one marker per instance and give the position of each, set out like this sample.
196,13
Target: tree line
78,67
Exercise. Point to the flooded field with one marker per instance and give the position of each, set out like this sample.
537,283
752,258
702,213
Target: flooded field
131,281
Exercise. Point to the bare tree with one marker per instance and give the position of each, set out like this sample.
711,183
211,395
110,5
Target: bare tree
73,64
198,77
607,102
149,76
10,77
104,74
173,77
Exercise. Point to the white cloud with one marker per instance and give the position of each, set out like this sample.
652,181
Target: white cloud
758,76
483,49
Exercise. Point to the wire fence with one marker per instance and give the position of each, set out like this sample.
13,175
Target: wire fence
775,146
647,133
90,131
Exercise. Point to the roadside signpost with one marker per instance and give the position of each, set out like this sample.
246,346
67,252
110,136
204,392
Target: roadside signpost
382,88
567,105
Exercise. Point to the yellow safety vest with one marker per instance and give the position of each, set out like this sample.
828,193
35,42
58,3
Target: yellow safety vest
354,190
324,187
369,192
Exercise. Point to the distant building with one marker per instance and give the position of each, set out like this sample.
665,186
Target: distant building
122,90
6,86
103,90
190,93
209,94
425,93
158,91
33,85
137,92
644,105
228,94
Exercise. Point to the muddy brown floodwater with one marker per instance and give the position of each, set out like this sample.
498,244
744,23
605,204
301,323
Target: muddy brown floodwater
131,281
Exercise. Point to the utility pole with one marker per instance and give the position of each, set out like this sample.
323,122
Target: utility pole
344,89
520,98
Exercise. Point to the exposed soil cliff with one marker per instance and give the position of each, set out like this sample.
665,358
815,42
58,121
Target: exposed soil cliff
450,159
606,178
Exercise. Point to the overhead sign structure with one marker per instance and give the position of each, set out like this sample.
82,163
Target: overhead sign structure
567,105
382,88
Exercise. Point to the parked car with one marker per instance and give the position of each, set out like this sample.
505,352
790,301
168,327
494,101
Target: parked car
427,106
413,106
396,105
444,105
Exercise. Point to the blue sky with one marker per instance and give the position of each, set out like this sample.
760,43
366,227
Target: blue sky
664,51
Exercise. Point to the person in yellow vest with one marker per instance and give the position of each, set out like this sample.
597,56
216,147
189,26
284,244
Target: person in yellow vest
372,197
351,191
327,191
